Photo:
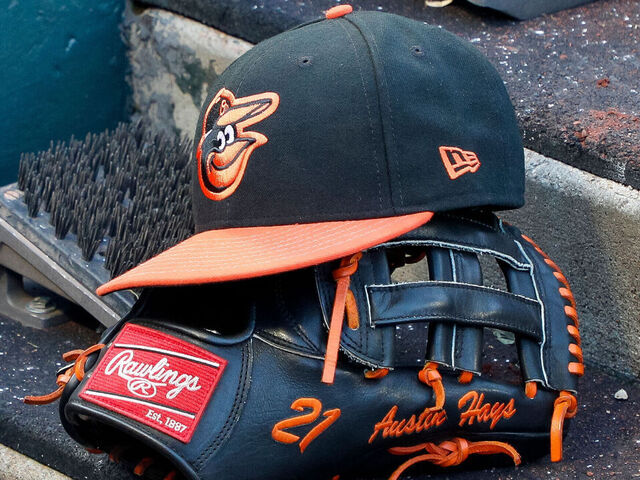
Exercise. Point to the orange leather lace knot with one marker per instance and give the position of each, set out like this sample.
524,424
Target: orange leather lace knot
79,357
342,276
430,376
450,453
565,406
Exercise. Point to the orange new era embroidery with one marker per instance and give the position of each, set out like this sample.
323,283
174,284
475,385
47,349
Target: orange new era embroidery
458,161
225,145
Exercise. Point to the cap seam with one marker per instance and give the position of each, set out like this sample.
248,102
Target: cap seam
366,97
379,98
391,122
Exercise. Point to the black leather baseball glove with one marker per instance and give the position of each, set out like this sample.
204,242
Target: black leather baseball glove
241,380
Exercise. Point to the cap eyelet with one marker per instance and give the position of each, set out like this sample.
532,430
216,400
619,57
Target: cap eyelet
417,51
305,61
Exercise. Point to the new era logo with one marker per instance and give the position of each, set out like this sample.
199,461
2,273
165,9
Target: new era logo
458,161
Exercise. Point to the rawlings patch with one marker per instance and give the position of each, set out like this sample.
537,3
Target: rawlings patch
226,143
156,379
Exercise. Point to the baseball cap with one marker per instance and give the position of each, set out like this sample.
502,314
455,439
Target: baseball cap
336,136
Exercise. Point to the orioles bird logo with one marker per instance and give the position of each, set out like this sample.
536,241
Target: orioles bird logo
226,145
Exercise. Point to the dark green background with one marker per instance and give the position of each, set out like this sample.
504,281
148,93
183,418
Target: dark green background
62,72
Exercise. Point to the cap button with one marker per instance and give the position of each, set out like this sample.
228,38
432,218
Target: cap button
339,11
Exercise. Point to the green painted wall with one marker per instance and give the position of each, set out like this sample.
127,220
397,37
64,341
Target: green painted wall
62,72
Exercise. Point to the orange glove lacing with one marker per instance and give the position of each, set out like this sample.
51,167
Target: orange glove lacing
342,276
79,357
450,453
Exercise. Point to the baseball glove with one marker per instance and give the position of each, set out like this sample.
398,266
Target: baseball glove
241,380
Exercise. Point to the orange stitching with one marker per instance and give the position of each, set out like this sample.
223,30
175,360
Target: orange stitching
565,406
457,162
279,435
483,412
331,417
451,453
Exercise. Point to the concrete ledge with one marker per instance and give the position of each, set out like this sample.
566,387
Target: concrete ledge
15,466
173,60
589,225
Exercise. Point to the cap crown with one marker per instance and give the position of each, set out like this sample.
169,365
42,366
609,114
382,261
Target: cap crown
363,116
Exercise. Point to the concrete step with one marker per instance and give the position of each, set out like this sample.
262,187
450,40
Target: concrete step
15,466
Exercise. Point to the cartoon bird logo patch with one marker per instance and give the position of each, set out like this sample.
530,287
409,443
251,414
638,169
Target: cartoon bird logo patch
227,142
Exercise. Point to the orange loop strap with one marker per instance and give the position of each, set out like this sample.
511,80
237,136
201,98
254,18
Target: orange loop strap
376,373
451,453
531,389
342,275
465,377
565,406
430,376
351,308
77,369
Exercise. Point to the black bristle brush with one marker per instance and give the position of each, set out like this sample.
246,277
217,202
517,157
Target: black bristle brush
126,190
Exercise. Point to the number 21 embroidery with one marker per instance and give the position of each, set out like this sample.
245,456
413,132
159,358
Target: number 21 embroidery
280,435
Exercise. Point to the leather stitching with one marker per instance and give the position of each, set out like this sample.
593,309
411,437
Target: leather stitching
238,405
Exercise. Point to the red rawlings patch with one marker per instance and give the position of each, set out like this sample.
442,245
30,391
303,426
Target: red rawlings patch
155,379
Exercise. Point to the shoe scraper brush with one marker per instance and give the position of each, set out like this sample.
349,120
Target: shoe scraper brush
103,205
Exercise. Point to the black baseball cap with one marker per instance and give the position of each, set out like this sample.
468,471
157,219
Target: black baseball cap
336,136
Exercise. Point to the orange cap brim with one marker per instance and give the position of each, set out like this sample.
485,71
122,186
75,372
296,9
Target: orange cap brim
246,252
